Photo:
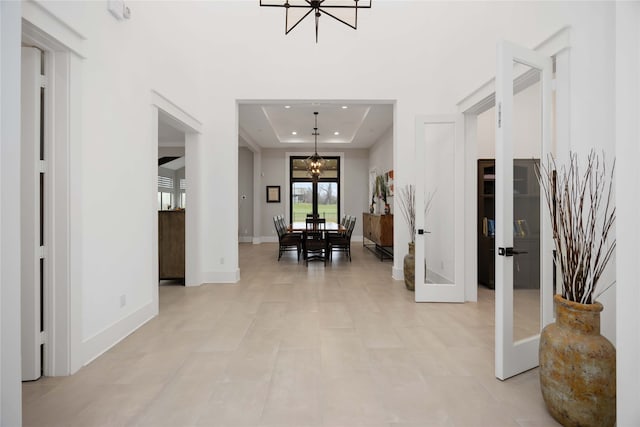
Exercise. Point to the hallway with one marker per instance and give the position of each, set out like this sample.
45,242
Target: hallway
341,345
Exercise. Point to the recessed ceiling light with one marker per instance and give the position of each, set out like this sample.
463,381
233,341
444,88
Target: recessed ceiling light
287,106
344,107
294,133
336,133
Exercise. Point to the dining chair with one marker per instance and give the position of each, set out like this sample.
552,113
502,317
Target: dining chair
341,242
315,242
287,241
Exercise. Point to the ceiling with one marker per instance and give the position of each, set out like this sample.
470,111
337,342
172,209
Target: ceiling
340,124
271,125
168,134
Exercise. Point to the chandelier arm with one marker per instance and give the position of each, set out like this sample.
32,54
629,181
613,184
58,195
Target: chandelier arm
296,24
340,20
317,19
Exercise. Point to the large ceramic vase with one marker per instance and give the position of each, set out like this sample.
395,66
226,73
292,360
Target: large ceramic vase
578,367
410,268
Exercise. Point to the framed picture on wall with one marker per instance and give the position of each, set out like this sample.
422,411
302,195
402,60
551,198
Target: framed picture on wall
273,194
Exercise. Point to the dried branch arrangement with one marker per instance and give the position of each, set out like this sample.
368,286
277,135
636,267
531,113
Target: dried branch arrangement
407,199
582,216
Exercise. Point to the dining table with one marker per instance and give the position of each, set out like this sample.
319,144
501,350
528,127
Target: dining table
328,227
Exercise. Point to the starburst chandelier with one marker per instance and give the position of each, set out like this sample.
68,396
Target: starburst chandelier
345,11
315,163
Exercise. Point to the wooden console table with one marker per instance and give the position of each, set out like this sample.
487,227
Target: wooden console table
377,233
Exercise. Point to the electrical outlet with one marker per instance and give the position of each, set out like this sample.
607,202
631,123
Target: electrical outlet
123,300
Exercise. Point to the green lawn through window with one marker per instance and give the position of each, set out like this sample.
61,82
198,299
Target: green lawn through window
329,212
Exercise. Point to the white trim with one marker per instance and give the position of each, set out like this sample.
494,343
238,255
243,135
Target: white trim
180,119
102,341
256,240
269,239
10,386
627,183
245,239
50,29
397,273
215,277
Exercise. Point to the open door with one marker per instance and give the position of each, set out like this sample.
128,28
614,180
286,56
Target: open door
32,210
439,250
524,257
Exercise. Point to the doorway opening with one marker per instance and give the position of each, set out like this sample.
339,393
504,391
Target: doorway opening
175,133
172,199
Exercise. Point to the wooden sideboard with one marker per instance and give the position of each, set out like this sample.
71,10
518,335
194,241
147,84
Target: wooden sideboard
171,244
377,231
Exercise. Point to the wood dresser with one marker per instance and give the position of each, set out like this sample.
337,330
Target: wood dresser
377,233
171,244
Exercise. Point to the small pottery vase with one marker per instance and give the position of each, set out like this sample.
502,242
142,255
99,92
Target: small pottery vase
578,367
410,268
372,208
387,209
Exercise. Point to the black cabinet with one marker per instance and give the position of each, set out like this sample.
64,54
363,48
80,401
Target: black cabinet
526,227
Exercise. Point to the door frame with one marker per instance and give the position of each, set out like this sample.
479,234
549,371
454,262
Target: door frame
192,128
61,301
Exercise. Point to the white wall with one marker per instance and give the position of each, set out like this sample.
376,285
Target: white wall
354,186
413,67
627,90
381,160
245,196
10,371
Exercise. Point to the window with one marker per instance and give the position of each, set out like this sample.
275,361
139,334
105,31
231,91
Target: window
321,198
165,193
165,200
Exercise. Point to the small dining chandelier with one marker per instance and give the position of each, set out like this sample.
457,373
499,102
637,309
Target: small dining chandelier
315,163
331,8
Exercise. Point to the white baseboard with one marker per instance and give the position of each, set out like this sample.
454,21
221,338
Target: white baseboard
221,276
95,346
397,273
245,239
356,238
256,240
269,239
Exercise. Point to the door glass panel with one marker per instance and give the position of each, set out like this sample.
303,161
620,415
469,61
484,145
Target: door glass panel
439,164
328,201
301,199
527,146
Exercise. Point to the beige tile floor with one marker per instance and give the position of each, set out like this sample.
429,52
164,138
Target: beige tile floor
336,346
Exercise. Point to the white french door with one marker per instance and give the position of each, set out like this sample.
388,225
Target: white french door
524,301
32,228
439,198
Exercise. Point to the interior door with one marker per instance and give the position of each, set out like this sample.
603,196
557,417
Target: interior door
439,198
32,213
523,250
